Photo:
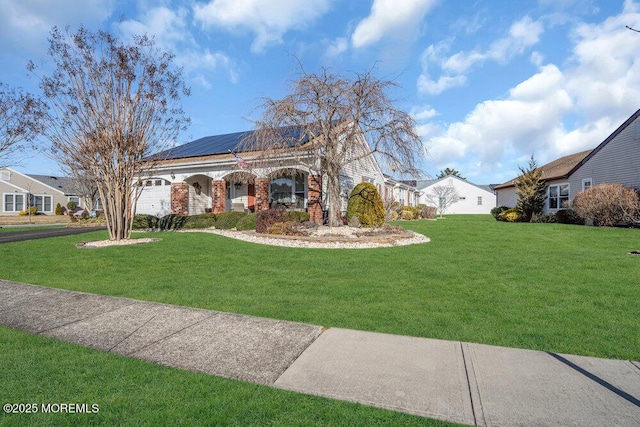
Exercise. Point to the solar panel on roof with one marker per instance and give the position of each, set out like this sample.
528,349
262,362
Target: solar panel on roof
219,144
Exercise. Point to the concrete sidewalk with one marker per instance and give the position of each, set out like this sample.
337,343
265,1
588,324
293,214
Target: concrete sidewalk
472,384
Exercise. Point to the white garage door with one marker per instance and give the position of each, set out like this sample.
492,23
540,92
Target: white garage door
155,198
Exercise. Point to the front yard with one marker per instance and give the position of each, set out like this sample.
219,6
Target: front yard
551,287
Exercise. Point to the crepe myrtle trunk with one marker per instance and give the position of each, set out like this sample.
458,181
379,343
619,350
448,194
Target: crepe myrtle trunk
113,104
333,199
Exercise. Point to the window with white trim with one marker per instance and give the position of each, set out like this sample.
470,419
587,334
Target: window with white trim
13,202
288,191
75,199
587,183
43,203
479,200
558,196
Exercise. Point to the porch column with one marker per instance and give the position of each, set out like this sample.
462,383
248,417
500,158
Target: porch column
262,194
314,198
180,198
218,196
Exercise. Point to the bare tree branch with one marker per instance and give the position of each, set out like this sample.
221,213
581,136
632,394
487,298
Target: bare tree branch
113,104
21,120
329,121
442,197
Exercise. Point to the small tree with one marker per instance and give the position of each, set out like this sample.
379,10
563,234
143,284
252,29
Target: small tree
607,204
449,172
328,122
442,197
114,104
531,191
21,119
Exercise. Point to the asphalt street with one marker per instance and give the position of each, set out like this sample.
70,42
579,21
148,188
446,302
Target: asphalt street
22,235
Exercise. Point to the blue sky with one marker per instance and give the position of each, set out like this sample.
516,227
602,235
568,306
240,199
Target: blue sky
490,82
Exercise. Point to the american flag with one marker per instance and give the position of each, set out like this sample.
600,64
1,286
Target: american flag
240,161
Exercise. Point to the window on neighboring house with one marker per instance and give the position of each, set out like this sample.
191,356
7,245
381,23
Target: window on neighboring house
43,203
76,200
558,196
587,183
479,200
13,202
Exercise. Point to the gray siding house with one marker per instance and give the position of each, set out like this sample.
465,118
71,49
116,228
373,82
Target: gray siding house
615,160
19,191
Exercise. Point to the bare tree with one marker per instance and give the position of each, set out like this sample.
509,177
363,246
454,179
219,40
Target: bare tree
21,120
329,121
442,197
114,104
86,188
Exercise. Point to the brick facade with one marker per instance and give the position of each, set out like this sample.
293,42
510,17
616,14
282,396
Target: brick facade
314,198
262,194
218,196
180,198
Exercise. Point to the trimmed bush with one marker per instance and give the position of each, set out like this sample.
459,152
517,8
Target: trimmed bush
568,216
607,204
171,222
509,215
142,222
58,209
299,216
247,222
427,212
33,210
72,206
206,220
498,210
228,220
366,204
544,218
407,214
266,219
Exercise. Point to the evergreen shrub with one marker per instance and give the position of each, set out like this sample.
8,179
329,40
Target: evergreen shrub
366,204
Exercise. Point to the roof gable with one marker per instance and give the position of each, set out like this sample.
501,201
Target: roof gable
565,166
559,168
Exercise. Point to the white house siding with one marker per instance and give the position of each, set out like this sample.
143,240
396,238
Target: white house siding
469,194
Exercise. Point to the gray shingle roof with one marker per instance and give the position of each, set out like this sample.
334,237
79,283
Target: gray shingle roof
61,183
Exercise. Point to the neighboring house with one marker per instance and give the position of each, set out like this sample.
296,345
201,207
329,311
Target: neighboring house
19,191
206,176
615,160
473,199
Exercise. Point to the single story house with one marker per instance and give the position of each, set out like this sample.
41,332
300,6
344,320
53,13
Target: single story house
20,191
211,174
615,160
473,198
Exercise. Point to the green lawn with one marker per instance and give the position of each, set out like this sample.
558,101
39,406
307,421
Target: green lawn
549,287
131,392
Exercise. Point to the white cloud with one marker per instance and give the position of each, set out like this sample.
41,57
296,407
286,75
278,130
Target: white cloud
337,47
25,25
557,111
171,30
522,35
268,20
390,17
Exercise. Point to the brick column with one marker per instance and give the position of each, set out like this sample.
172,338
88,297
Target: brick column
218,196
314,198
262,194
180,198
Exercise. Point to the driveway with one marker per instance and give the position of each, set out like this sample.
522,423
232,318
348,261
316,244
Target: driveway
19,236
